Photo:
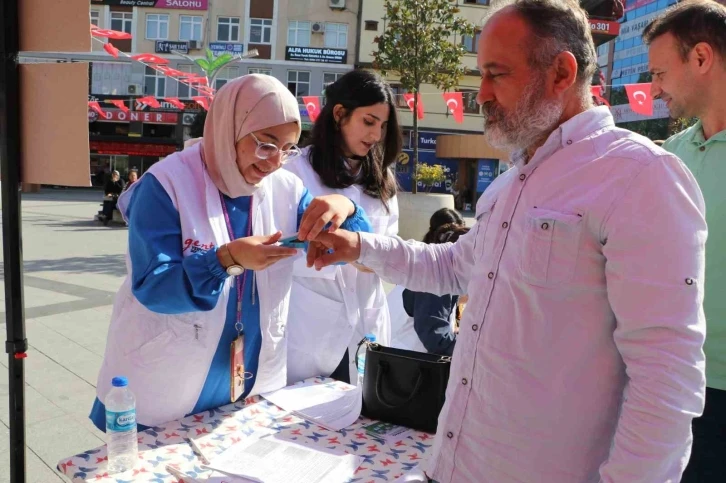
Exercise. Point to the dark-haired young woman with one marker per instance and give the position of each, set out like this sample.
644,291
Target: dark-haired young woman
354,143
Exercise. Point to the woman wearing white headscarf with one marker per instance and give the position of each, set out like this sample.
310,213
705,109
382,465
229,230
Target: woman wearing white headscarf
207,281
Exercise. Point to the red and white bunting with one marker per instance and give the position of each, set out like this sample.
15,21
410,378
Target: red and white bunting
419,104
174,101
109,34
94,105
455,104
120,104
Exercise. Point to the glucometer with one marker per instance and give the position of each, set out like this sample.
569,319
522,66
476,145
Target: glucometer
292,242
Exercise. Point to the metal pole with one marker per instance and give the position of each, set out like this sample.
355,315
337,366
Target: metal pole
16,344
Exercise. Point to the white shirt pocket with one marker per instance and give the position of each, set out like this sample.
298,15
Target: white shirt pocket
483,215
551,246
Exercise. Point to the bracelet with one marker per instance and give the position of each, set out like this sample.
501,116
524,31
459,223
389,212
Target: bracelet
230,257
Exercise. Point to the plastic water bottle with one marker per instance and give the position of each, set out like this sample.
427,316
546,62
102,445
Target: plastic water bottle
122,443
361,360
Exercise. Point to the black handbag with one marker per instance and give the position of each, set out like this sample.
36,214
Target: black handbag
404,387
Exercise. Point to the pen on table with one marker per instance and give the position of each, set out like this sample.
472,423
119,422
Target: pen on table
176,473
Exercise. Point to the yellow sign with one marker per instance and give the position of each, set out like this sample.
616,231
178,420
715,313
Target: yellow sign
403,158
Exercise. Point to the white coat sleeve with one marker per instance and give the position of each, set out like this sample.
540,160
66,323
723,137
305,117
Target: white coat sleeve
654,245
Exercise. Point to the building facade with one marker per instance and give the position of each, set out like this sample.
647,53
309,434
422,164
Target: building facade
471,170
624,60
306,45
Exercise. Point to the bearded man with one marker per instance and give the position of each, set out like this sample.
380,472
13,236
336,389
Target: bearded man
580,354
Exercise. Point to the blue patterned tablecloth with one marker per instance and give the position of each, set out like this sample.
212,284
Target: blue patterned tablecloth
167,456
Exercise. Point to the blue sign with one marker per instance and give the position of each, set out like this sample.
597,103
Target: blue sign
427,140
222,47
486,171
451,169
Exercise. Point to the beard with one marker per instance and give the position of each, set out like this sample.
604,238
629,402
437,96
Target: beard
532,119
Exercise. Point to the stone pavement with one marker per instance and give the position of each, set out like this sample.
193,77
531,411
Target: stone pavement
73,267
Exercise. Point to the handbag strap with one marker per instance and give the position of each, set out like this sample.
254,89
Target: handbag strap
363,341
382,369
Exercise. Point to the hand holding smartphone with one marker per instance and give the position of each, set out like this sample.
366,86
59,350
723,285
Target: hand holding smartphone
292,242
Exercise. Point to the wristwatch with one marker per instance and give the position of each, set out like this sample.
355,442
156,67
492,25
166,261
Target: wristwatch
233,268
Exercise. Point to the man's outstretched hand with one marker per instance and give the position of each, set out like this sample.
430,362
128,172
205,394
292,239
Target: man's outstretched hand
345,246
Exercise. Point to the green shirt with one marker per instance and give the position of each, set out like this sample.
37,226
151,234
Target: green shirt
707,162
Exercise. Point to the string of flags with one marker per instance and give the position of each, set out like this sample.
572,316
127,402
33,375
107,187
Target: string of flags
639,97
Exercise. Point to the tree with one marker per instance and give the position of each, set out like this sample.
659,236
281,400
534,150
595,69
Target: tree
422,45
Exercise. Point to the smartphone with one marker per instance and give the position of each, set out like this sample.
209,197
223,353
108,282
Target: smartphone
292,242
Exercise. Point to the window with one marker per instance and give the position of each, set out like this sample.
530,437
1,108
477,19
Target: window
477,2
110,78
372,25
157,26
225,75
154,83
122,21
95,15
228,29
470,104
336,35
190,27
471,44
398,93
330,77
184,91
298,82
257,70
260,30
298,33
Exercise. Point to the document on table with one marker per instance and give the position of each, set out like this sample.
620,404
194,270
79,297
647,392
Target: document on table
269,460
333,405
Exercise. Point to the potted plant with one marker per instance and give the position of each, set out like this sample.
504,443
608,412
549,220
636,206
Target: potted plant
429,175
416,209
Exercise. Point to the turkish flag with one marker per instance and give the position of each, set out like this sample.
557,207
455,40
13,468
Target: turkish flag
641,101
166,70
596,92
150,59
455,103
109,34
120,104
174,101
312,104
96,107
149,101
198,80
108,47
202,101
207,91
409,101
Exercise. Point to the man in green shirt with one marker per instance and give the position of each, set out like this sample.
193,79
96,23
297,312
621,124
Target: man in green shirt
687,59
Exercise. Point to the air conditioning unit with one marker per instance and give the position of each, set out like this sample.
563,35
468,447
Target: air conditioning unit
195,44
317,27
135,89
337,4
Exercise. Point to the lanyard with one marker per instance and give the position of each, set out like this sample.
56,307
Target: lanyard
243,277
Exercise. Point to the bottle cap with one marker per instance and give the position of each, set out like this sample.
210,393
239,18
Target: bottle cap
119,381
371,337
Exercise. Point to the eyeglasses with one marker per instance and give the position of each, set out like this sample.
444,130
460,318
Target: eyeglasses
267,150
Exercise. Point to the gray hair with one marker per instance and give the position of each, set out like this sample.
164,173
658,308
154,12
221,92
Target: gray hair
556,26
